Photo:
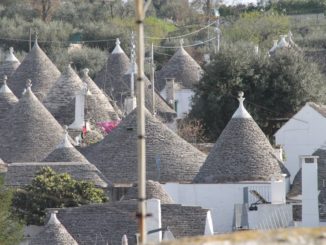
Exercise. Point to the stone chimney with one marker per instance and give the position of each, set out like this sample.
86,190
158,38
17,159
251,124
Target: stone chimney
310,210
80,100
130,104
278,190
279,152
170,91
154,221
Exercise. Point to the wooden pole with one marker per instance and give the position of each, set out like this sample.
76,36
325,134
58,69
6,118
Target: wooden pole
141,144
153,80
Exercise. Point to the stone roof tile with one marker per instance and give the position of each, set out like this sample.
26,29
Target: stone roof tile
7,99
153,190
53,233
169,158
10,65
28,132
99,107
21,174
61,94
107,223
241,153
182,67
37,67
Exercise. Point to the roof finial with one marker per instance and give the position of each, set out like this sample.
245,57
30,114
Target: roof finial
65,142
181,42
28,84
241,112
117,49
36,38
85,71
5,80
4,88
53,218
11,57
124,240
240,96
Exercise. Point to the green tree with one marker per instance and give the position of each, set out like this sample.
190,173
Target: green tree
257,27
53,190
275,88
11,231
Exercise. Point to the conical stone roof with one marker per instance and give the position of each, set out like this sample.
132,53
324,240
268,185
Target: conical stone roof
7,99
169,158
62,94
65,152
153,190
54,233
28,132
37,67
11,63
99,108
241,153
182,67
110,78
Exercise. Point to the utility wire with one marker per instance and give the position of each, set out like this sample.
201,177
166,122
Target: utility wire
186,46
180,36
111,39
40,41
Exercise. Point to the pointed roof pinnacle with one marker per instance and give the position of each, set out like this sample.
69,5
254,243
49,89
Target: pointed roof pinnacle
181,42
53,218
124,240
65,142
283,43
241,112
11,57
36,39
4,88
28,85
85,72
117,49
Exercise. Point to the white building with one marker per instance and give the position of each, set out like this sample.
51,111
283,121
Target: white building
302,134
242,181
177,79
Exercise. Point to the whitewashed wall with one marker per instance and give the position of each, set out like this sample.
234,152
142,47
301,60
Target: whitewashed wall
301,135
183,98
219,198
